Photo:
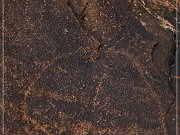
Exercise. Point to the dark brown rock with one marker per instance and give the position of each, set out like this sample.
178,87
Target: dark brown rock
84,67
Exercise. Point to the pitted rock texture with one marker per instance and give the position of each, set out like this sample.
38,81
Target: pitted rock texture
89,67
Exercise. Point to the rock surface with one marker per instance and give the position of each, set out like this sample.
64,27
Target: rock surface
89,67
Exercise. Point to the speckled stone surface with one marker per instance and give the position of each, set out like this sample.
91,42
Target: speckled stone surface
89,67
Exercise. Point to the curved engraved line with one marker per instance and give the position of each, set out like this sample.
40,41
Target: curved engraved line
59,96
37,125
153,94
27,89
